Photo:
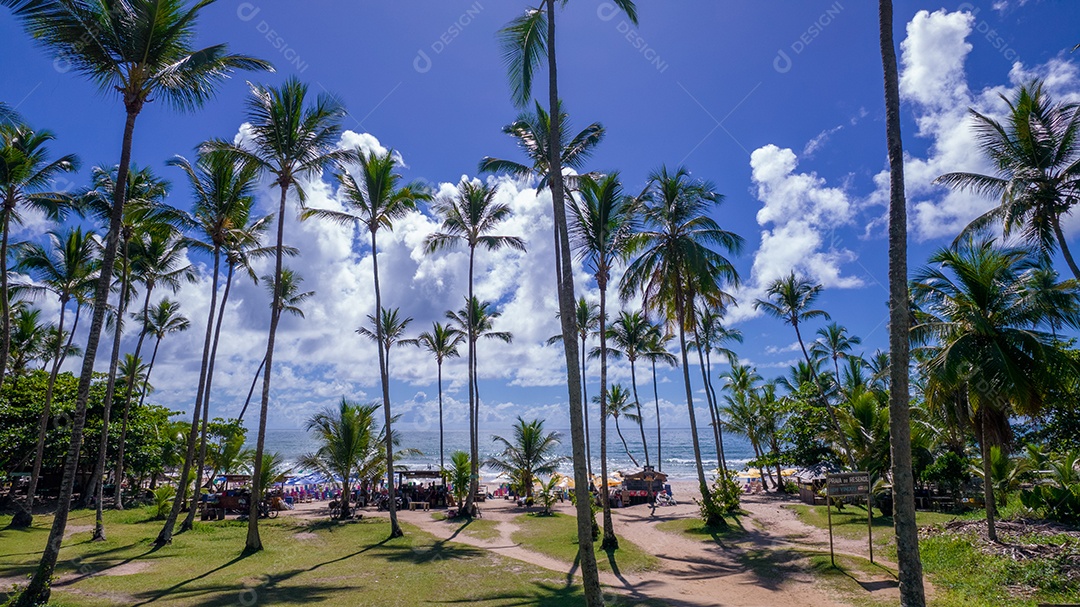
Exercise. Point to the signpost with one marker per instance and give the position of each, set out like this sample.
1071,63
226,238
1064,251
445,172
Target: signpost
845,484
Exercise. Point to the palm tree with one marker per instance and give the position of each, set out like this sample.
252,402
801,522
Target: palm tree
1036,157
677,265
770,423
790,299
28,339
531,452
65,268
835,343
656,350
442,342
742,413
988,338
377,200
161,320
471,216
141,49
588,321
630,335
709,335
25,174
602,222
907,533
289,140
158,258
619,405
347,437
527,41
389,331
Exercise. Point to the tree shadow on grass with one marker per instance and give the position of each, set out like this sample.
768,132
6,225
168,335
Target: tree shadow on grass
149,597
543,594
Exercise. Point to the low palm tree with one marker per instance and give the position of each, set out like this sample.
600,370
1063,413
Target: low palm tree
529,453
678,264
28,339
835,343
442,342
162,319
619,405
348,436
470,216
289,140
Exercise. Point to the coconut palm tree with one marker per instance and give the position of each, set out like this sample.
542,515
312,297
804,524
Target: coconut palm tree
26,172
162,319
710,335
833,342
770,423
526,42
387,331
742,414
8,114
677,265
988,338
619,405
143,50
65,268
28,339
656,350
347,435
629,335
376,200
529,453
442,342
470,216
1036,159
290,140
588,322
903,478
602,221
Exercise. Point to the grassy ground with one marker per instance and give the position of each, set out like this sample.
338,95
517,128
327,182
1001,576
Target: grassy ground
696,528
851,522
336,564
556,536
479,528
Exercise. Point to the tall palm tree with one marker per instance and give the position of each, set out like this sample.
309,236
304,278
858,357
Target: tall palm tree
903,478
835,343
471,215
741,414
143,50
25,175
619,405
442,342
710,335
65,268
162,319
348,436
602,221
377,199
158,258
1036,158
656,350
677,264
527,41
529,453
630,335
588,322
289,140
988,338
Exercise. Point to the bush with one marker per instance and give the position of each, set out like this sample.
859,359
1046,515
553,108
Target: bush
163,500
722,499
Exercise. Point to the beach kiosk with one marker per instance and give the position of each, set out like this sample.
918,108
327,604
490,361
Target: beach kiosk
642,487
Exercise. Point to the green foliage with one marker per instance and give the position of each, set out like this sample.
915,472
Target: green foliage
459,475
807,431
549,493
1057,496
163,500
950,471
722,499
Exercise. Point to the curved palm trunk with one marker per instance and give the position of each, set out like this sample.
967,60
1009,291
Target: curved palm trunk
585,406
624,445
119,474
253,543
71,335
149,370
637,403
254,381
110,393
384,373
840,436
610,542
190,519
720,464
43,424
37,591
585,521
907,533
1065,252
713,519
715,406
659,436
474,440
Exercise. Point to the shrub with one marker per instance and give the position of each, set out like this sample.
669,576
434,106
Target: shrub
163,499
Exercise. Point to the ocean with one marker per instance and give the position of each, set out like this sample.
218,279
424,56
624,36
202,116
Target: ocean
678,450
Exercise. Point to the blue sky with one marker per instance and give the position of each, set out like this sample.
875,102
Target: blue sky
778,103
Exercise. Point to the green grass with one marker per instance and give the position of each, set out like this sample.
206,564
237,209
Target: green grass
696,529
556,536
852,576
478,528
326,562
851,523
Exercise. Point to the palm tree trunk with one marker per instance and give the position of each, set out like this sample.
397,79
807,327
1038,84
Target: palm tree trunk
119,475
988,479
190,519
716,411
251,390
624,445
344,513
713,519
384,373
71,335
149,370
442,459
37,591
5,305
43,422
907,533
585,406
609,542
841,438
637,403
110,393
590,576
709,401
253,543
659,436
474,440
1064,248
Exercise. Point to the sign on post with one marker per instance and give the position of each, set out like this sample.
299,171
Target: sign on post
847,484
